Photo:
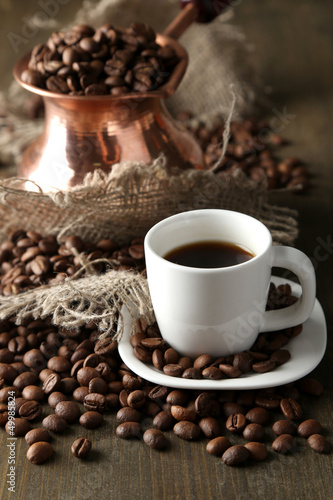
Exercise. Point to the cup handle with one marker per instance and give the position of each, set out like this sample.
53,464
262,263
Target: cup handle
297,262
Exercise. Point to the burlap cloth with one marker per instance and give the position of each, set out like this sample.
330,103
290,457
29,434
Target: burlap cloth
128,201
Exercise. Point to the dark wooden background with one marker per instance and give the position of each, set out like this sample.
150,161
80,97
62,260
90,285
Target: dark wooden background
294,46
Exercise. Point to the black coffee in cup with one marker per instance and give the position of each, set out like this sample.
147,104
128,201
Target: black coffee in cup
209,254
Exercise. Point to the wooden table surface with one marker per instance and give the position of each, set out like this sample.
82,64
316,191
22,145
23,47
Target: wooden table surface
294,45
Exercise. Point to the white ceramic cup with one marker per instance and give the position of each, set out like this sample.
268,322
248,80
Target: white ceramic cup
220,311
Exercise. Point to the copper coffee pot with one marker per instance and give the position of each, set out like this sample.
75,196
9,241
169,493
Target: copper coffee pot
84,133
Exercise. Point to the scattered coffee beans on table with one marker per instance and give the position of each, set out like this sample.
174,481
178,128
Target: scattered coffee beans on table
53,380
109,60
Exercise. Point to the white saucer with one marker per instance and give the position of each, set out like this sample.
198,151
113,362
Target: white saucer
306,352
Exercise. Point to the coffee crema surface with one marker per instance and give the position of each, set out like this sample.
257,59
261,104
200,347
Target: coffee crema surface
209,254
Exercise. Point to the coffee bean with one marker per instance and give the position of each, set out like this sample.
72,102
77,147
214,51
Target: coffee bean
291,409
163,421
128,414
85,374
203,361
52,383
69,410
319,443
192,373
155,439
30,410
310,386
284,443
9,393
81,447
91,419
231,408
187,430
212,372
181,413
236,422
39,452
280,357
283,427
177,397
8,373
258,451
17,427
218,446
235,455
25,379
210,427
136,399
35,360
33,392
264,366
309,427
243,361
36,435
80,393
254,432
129,430
98,385
55,423
95,402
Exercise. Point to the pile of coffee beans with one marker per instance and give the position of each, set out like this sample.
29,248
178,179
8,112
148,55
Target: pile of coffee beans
53,380
266,353
58,379
251,149
103,61
28,260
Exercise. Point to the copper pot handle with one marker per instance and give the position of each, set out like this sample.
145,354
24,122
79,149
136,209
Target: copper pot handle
202,11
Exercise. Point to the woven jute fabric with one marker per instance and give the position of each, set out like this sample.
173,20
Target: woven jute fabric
121,205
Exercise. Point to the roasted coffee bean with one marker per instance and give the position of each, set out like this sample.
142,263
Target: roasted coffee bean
310,386
173,370
230,371
180,413
85,374
39,452
212,372
264,366
284,443
8,394
136,399
291,409
283,427
218,446
258,451
55,398
52,383
25,379
254,432
95,402
280,357
236,422
68,385
33,392
163,421
69,410
203,361
55,423
128,414
236,455
59,364
129,430
30,410
243,361
210,427
309,427
8,373
192,373
81,447
98,385
34,359
187,430
177,397
155,439
319,443
91,419
17,427
37,435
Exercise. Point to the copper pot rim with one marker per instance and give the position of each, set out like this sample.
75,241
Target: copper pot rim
166,90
